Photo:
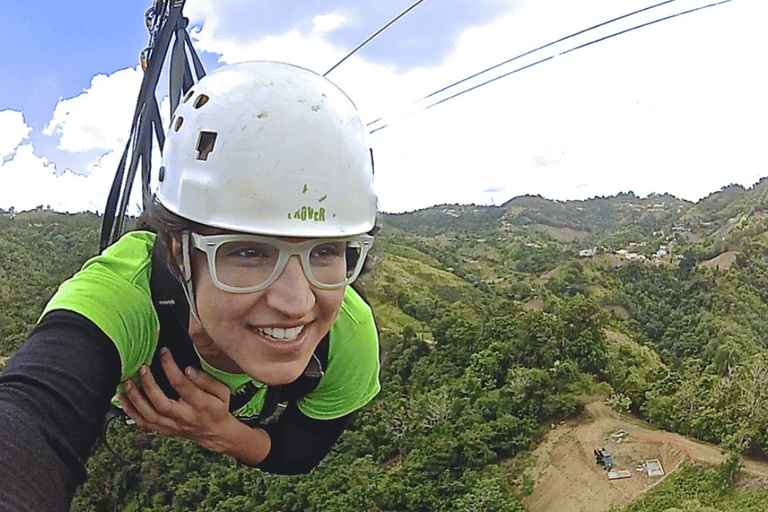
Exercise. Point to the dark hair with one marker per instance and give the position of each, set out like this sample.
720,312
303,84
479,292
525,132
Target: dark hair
158,219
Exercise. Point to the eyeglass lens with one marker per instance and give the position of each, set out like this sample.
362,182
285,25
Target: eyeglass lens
243,264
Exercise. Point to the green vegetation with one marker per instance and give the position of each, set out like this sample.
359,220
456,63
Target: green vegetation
38,250
492,328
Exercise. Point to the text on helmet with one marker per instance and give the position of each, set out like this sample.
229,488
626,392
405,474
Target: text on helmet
307,213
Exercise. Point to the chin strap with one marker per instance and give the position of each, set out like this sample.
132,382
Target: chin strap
186,278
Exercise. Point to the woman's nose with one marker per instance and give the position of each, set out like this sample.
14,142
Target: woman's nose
291,293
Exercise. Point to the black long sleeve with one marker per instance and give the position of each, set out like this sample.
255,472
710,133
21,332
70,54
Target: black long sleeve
299,442
54,395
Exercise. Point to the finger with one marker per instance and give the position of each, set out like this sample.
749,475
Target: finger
136,405
170,367
208,384
186,389
142,422
158,402
129,409
133,403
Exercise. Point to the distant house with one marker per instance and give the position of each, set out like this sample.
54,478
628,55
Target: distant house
586,253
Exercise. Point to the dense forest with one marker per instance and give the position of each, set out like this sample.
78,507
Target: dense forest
495,322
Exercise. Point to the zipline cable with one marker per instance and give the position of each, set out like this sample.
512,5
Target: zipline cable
375,34
647,24
544,59
575,48
550,44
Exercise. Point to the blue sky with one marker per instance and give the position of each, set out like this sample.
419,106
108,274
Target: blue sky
53,48
677,106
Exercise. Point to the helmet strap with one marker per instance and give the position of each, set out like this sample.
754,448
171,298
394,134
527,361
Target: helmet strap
186,279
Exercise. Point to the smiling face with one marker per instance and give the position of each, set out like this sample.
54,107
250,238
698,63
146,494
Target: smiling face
269,334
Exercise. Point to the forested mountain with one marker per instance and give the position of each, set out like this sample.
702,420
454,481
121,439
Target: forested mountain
495,322
38,250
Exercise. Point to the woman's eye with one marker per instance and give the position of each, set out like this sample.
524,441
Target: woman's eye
247,252
251,253
330,250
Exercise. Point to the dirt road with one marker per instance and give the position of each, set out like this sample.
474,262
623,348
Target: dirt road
569,480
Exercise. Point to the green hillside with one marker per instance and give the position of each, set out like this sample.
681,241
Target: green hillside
495,323
38,250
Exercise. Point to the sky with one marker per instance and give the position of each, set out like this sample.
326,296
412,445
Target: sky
674,106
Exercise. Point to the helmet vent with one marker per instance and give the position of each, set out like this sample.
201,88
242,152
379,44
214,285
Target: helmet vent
205,144
201,100
178,123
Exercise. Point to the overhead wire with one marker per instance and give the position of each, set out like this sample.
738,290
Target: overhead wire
647,24
477,86
375,34
548,45
571,50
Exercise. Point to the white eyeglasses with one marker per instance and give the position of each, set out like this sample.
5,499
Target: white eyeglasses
250,263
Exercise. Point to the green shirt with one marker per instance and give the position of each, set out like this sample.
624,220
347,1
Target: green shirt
112,290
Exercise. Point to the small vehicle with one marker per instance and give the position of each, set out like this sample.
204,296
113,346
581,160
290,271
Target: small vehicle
603,457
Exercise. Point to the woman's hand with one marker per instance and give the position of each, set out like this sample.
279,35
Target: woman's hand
201,413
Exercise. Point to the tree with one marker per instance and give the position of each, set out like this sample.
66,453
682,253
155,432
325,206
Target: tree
618,403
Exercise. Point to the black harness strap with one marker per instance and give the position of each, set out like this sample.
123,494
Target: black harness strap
173,313
165,21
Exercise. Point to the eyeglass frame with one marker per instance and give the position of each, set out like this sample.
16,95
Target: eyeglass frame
210,244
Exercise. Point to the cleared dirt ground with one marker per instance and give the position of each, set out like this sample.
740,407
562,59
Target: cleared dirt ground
569,480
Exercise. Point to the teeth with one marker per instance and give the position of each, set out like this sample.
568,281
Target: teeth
281,334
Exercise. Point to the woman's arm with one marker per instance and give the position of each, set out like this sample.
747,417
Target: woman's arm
299,442
54,395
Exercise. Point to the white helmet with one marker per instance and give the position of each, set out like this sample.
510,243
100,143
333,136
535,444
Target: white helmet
269,148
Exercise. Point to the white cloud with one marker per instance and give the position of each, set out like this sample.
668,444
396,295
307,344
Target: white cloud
673,107
29,181
100,117
94,127
328,22
310,50
13,130
664,108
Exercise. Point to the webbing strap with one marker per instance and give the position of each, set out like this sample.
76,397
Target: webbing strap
165,21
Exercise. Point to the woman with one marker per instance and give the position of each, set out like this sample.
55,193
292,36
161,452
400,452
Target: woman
263,217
